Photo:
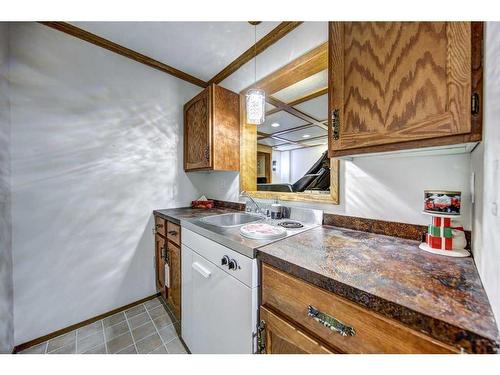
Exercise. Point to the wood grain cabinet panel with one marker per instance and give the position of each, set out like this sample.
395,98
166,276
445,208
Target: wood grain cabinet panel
160,251
160,226
167,250
212,131
174,233
281,337
372,333
399,85
174,291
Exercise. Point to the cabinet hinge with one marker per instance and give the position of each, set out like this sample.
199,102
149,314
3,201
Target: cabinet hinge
474,108
261,337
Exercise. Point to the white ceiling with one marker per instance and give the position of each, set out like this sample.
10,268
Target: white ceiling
317,107
306,86
284,119
201,49
304,38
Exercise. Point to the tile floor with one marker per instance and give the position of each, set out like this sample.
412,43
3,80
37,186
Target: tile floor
148,328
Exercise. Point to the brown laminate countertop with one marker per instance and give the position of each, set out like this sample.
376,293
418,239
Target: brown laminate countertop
175,215
440,296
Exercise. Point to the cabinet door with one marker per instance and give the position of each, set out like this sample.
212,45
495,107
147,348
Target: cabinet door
282,337
398,83
174,292
198,132
160,265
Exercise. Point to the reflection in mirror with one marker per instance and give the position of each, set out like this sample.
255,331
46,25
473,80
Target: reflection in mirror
286,157
292,145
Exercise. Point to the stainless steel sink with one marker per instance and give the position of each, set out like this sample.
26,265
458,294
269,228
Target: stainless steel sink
231,220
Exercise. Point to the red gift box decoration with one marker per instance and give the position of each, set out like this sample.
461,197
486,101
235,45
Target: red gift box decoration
441,221
441,243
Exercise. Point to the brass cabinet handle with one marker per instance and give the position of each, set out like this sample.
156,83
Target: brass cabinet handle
335,124
207,153
159,225
330,322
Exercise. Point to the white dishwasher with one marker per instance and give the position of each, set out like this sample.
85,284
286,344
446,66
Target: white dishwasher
219,297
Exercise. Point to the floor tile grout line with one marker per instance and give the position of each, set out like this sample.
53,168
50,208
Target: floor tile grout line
130,329
156,329
95,346
126,348
105,340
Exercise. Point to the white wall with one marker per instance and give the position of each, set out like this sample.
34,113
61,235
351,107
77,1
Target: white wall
276,175
6,290
485,160
383,187
96,146
302,159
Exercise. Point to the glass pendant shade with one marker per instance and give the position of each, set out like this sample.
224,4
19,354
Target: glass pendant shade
256,106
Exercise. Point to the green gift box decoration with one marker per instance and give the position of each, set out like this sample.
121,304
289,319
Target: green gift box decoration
445,232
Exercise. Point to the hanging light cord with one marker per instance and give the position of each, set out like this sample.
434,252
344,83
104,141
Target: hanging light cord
255,53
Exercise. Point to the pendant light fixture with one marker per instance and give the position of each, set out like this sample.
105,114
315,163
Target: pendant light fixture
255,98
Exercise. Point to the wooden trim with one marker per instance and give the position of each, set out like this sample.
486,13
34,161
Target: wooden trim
39,340
332,198
124,51
302,67
302,99
268,40
477,58
281,132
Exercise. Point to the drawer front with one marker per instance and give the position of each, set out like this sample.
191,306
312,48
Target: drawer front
373,333
281,337
174,233
214,252
160,226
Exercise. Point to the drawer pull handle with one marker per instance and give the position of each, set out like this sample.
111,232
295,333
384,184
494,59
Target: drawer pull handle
330,322
172,232
201,270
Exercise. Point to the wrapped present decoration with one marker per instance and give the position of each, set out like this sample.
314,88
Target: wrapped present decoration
442,243
445,235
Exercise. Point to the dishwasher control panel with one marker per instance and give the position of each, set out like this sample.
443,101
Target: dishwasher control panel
230,261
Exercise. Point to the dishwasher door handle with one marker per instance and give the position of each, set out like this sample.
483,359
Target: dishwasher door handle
201,270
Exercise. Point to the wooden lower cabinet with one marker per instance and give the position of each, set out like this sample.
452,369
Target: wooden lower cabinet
286,302
167,239
160,254
281,337
174,292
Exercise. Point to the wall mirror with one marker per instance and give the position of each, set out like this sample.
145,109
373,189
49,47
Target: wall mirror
286,157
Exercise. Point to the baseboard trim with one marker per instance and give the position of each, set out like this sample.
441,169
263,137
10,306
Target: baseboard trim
62,331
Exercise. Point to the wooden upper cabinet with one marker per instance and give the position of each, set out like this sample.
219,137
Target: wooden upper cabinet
212,131
401,85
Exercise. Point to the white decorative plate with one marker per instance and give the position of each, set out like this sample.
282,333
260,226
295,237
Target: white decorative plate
262,231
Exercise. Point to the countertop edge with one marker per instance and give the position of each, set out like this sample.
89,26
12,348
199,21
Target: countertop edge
167,217
438,329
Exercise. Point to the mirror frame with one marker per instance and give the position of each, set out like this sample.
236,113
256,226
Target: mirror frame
304,66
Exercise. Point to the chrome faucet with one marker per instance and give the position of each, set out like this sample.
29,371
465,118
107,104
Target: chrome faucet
258,209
